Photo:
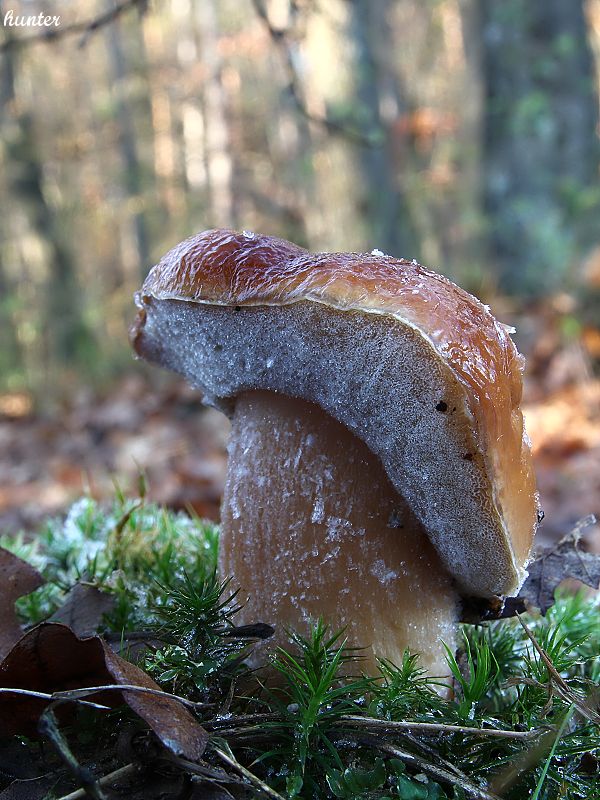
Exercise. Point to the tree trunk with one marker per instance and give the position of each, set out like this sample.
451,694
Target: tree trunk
541,151
10,354
219,159
376,85
132,170
61,330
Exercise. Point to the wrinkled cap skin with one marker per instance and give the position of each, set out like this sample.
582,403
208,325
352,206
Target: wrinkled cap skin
457,335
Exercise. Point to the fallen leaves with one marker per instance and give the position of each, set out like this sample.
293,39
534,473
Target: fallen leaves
559,563
83,609
17,578
47,461
51,658
562,562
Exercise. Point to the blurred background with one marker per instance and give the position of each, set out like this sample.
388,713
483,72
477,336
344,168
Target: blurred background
462,133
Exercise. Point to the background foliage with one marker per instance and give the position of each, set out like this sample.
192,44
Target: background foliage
459,133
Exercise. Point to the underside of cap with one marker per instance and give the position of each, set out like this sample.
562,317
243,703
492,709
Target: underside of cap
379,377
408,361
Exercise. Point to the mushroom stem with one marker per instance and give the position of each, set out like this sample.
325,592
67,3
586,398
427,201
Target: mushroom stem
312,527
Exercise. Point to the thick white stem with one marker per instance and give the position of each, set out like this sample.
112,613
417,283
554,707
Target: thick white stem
311,527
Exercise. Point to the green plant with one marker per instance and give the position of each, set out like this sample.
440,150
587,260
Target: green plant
404,690
312,698
479,676
129,549
195,615
523,721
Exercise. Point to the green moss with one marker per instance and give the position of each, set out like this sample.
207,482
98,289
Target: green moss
530,686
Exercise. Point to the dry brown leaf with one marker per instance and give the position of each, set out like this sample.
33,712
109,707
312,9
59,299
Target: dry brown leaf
51,658
83,609
17,578
553,566
170,720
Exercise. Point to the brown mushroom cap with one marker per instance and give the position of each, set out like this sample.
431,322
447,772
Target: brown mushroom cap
413,365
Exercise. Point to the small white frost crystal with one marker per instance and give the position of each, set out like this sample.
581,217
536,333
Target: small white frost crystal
318,514
377,252
248,234
313,541
382,572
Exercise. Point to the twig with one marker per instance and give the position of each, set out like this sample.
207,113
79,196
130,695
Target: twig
456,779
70,694
279,37
87,27
105,780
237,722
561,685
232,724
50,697
203,770
256,782
433,727
48,727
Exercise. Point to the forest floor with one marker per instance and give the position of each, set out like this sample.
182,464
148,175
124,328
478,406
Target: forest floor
94,440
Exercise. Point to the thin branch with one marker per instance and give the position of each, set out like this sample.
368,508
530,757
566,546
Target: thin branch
86,28
256,782
432,727
457,779
70,694
241,721
204,770
50,697
48,727
280,38
110,779
233,724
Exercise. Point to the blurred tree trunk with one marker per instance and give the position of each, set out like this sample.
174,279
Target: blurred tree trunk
219,159
376,88
541,151
11,355
62,332
132,178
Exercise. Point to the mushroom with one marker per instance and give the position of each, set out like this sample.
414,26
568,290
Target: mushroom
378,466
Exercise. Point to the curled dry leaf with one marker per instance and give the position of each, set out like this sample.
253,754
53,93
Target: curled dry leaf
17,578
565,560
83,609
51,658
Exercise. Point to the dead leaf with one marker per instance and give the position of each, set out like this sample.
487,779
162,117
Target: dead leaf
546,572
170,720
83,609
17,578
51,658
564,560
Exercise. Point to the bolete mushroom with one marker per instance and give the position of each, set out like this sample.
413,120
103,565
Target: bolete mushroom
378,466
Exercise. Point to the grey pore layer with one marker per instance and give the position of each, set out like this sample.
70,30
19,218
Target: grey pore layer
382,380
